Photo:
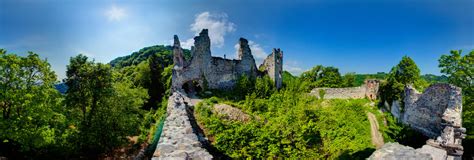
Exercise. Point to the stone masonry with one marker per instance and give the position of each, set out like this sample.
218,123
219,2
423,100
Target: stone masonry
369,89
216,72
436,113
273,66
178,139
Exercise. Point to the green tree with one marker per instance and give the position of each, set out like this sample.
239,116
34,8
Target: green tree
109,108
404,73
154,74
30,105
320,76
330,77
460,71
156,88
313,74
349,80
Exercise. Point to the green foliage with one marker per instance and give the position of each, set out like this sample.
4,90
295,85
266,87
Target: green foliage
320,76
404,73
264,87
244,86
321,93
287,77
349,80
360,78
403,134
460,71
290,124
163,52
31,107
150,68
106,110
430,78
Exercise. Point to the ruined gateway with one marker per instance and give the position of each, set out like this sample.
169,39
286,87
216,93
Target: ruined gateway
206,71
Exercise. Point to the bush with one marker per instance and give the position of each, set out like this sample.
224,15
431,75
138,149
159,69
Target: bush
290,124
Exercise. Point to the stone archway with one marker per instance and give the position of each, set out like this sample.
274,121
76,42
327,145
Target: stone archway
192,87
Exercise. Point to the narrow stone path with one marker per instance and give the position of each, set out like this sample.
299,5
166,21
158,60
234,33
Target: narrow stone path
178,139
377,138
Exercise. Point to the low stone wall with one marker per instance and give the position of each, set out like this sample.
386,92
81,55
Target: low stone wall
369,89
340,93
178,139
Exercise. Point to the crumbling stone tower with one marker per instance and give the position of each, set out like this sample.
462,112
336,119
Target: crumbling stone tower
372,88
273,66
205,71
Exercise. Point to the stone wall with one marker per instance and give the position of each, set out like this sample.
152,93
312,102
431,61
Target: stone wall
369,89
214,72
273,65
436,113
427,112
178,139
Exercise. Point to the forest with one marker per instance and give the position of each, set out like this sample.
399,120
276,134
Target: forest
116,109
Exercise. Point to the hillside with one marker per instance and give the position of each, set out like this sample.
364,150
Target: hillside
165,52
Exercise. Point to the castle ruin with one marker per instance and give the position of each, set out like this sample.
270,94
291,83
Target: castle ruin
206,71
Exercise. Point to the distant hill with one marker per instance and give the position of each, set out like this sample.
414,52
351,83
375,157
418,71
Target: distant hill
360,78
430,78
61,87
165,52
435,79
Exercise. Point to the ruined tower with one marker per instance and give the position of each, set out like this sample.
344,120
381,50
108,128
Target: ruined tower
178,56
247,61
273,66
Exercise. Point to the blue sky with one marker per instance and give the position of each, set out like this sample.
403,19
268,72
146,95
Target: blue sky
364,36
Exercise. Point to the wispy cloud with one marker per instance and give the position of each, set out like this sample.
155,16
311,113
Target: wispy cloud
293,67
115,13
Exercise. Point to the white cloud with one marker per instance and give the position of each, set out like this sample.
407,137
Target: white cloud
115,13
217,24
186,44
257,51
292,67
